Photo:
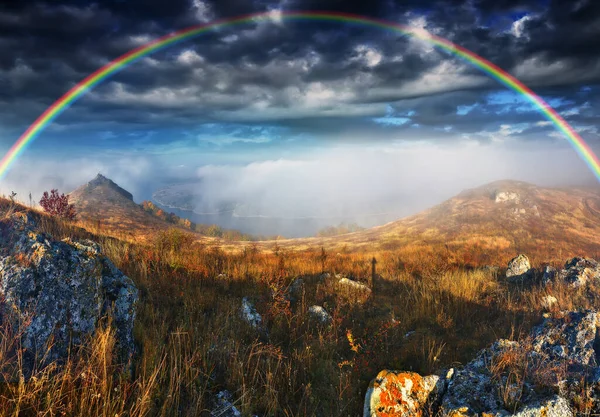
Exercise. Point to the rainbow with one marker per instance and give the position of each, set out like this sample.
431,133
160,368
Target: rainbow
60,105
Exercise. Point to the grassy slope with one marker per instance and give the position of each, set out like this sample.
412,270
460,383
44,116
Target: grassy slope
192,341
103,209
472,223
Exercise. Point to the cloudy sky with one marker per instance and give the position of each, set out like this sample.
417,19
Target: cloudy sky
340,111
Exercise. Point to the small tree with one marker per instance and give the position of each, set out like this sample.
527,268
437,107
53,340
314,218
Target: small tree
57,205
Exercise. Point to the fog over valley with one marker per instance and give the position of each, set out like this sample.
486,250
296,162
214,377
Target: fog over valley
367,184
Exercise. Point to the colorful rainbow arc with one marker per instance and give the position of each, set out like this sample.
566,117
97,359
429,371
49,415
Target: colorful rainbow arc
52,112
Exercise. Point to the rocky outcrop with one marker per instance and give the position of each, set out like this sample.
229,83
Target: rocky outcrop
519,269
579,271
57,292
550,373
102,181
504,196
402,394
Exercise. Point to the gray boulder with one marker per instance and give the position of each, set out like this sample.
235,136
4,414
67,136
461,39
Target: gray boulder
57,292
519,269
354,285
295,290
249,314
579,271
320,314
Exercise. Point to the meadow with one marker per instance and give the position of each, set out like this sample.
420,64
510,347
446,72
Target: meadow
431,307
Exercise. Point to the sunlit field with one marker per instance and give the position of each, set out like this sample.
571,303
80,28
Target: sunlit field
429,309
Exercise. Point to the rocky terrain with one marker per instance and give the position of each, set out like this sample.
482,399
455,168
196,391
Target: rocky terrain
554,372
55,294
288,332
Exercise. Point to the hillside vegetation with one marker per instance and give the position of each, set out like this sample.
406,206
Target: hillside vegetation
431,307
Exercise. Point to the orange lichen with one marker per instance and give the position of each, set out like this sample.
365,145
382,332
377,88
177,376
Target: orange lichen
393,399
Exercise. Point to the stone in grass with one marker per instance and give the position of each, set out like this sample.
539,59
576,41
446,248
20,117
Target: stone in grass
250,315
402,394
320,314
519,270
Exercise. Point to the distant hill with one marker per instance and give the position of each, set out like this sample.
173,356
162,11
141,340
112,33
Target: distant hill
108,207
494,221
503,217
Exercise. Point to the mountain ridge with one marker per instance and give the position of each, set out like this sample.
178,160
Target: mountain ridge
501,216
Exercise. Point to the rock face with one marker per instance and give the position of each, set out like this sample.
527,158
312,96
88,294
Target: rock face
60,290
579,271
519,269
550,373
504,196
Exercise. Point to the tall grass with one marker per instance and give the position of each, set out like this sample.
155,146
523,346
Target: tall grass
427,311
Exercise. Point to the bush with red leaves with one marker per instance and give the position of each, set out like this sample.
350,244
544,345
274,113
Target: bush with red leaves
57,205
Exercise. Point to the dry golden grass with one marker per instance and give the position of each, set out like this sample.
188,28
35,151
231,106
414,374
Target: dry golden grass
192,341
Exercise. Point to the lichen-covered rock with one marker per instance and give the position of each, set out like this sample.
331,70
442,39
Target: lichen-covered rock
58,291
569,337
519,269
579,271
559,355
320,314
472,390
401,394
552,407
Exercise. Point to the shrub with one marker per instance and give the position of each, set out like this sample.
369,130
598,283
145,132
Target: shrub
57,205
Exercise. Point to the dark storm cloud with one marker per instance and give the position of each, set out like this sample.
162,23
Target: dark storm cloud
306,76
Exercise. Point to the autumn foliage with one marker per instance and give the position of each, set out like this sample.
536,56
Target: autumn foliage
57,205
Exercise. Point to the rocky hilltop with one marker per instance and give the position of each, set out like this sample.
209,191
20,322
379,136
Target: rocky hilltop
56,293
103,185
103,204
